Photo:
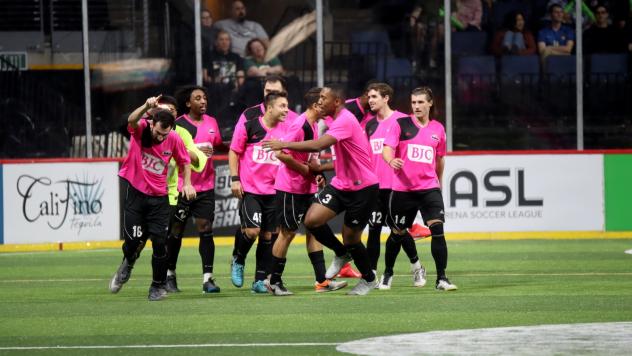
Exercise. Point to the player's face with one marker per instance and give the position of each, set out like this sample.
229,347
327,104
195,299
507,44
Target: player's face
223,42
158,132
327,102
279,109
197,102
272,86
376,100
420,105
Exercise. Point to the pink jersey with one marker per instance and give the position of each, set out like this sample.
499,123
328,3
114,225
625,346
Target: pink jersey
257,167
419,147
376,131
289,180
351,154
204,132
254,112
145,168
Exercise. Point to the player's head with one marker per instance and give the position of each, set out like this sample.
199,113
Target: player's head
273,83
421,102
276,105
379,95
168,103
331,98
161,123
238,11
192,99
311,100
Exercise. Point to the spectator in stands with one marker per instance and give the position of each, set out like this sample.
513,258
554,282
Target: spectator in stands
568,12
555,39
241,30
255,64
209,33
416,35
602,37
469,13
223,66
514,38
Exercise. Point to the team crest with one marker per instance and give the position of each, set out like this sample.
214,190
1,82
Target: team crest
435,137
166,153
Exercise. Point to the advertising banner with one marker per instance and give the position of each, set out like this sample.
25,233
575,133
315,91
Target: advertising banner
60,202
524,193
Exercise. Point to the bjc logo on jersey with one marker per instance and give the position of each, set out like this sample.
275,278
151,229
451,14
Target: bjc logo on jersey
420,153
377,145
259,155
152,163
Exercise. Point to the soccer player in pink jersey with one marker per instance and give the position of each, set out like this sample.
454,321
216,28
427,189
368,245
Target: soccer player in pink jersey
272,83
146,208
253,171
353,190
380,95
415,148
206,135
296,185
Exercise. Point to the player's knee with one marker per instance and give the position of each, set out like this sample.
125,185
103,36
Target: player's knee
287,235
252,233
159,245
204,225
436,228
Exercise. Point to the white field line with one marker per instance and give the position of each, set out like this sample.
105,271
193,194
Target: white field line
570,274
158,346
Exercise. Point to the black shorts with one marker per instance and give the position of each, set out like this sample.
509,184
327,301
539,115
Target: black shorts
291,209
357,205
144,215
380,209
403,207
201,207
258,211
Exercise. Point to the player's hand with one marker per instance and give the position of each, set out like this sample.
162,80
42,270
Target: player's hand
396,163
314,166
207,150
238,191
152,102
274,145
188,191
321,181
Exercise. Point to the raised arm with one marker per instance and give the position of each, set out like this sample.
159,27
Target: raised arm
137,114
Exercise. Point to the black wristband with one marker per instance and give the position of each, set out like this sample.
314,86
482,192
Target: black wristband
234,178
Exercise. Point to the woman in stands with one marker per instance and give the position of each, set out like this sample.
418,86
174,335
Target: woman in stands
256,65
514,38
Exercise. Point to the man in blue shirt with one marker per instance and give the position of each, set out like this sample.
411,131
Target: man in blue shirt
556,39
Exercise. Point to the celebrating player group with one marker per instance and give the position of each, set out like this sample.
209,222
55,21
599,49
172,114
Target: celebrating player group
387,166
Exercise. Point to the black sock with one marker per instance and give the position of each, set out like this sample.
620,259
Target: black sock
159,261
373,245
318,263
174,243
393,245
361,260
408,243
264,255
244,247
325,236
439,249
207,251
239,236
278,265
132,249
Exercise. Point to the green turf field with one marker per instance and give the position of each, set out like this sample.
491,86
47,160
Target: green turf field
61,298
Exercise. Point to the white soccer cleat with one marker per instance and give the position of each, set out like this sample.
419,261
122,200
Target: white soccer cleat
419,275
336,266
385,281
362,288
444,284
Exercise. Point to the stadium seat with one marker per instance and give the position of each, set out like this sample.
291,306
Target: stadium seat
370,42
560,68
476,65
607,84
519,69
476,84
469,43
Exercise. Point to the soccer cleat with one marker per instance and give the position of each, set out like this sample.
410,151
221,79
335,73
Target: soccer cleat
172,284
444,284
156,293
237,274
418,232
329,285
385,281
419,277
258,287
121,276
348,272
363,287
336,265
210,287
277,288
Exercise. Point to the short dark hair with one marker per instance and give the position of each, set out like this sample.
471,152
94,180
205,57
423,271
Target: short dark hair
338,90
164,117
425,91
274,95
382,88
311,97
273,78
248,51
168,100
553,7
183,95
